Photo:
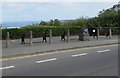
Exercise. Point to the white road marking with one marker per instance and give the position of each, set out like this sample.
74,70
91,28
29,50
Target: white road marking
103,51
12,40
8,67
42,61
83,54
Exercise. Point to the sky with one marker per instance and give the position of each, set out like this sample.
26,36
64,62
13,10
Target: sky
37,11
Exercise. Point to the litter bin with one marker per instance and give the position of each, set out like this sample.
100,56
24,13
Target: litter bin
85,35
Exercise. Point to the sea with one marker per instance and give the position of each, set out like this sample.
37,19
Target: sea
17,24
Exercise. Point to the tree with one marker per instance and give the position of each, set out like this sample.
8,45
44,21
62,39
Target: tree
43,23
1,25
56,22
51,23
109,17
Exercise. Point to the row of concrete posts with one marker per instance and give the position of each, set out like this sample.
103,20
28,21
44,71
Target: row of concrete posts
31,38
50,37
110,33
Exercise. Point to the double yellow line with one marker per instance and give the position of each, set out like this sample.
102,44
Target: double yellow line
53,52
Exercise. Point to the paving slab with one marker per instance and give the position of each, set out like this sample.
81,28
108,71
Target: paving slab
16,48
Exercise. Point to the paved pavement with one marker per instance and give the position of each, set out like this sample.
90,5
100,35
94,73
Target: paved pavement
38,46
96,61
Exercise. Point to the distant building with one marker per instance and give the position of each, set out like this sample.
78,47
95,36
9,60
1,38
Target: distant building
64,21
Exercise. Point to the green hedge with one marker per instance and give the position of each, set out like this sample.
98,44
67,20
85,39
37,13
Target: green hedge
16,33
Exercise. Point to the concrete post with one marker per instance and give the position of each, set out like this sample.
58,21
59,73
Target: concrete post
50,36
110,33
68,34
81,35
30,40
7,40
97,33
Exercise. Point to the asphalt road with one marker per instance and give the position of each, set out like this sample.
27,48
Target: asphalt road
95,61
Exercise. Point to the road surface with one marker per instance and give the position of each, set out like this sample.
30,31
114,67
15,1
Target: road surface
92,61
